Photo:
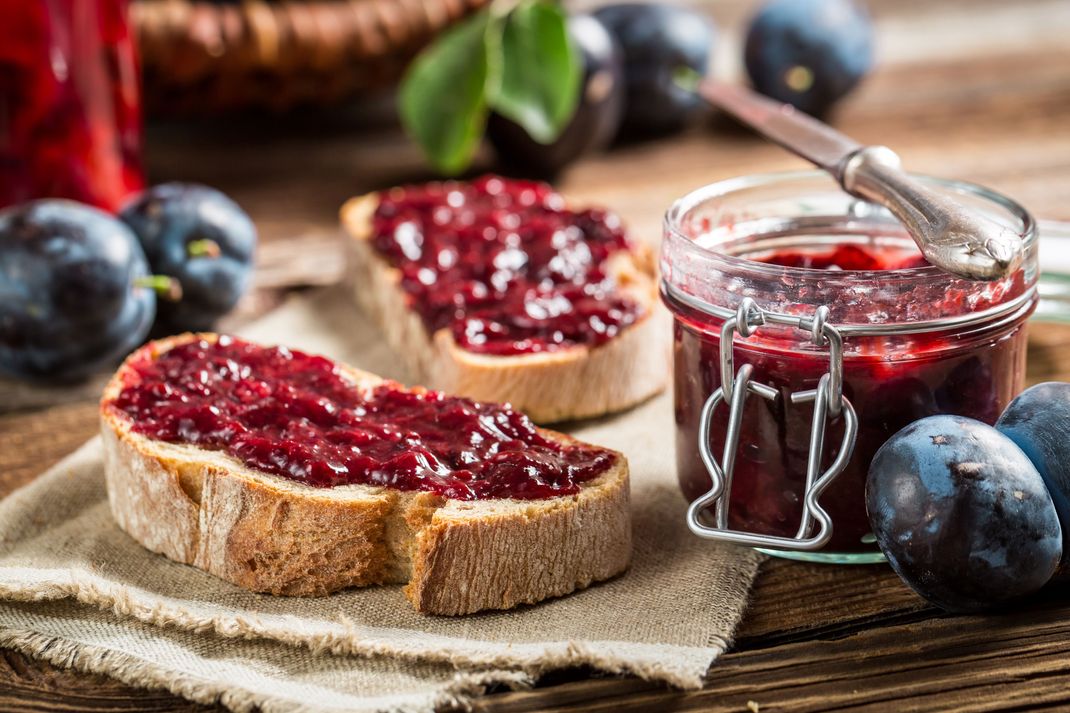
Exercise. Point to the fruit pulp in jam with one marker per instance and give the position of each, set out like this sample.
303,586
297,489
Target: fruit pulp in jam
504,264
296,415
70,115
889,384
848,257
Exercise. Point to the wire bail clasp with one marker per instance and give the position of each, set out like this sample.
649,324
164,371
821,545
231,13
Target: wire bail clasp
829,403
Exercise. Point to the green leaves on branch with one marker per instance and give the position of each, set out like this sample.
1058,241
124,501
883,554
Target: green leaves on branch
541,75
443,98
518,62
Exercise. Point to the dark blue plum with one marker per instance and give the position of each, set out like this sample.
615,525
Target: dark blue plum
809,53
1038,421
962,515
897,403
658,40
200,238
598,114
69,302
970,388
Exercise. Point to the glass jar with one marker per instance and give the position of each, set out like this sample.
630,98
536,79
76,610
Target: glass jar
70,113
915,342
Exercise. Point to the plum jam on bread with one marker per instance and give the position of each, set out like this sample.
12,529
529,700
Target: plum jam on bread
296,415
291,474
500,290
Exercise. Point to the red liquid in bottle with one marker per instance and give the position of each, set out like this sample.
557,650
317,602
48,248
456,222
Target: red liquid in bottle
70,113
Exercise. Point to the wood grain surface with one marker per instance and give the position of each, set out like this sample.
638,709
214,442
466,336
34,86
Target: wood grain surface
978,90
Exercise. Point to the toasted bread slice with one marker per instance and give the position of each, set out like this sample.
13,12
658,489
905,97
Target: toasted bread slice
575,382
271,534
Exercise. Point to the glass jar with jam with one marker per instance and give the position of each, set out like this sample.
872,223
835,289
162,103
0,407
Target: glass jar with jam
819,309
70,112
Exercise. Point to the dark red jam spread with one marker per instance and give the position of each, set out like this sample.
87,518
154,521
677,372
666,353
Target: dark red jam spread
295,415
890,384
848,257
504,265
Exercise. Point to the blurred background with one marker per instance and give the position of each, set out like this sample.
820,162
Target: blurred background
975,89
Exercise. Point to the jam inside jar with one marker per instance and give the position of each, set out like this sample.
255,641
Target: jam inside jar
916,341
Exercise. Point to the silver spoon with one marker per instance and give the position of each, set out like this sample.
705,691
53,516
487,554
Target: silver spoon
949,235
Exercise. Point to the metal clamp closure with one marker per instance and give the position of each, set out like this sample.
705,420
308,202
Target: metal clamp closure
829,403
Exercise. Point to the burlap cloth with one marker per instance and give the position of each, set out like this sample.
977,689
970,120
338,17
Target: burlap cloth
77,591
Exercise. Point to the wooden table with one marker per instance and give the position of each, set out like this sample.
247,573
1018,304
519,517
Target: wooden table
977,90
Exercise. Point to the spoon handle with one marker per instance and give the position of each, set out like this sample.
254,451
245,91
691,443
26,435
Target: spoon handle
959,241
949,235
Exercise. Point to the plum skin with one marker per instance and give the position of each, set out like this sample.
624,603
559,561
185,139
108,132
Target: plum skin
69,302
808,53
970,388
658,40
167,219
962,515
598,113
1037,420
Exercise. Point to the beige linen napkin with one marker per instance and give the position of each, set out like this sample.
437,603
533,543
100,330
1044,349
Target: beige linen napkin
103,603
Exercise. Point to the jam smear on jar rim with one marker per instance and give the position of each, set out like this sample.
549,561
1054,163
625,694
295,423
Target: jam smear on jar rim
504,264
296,415
927,374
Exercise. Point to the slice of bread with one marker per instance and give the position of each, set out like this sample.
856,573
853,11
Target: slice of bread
575,382
271,534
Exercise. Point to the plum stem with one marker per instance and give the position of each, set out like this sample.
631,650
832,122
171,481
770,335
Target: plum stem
203,248
166,287
686,78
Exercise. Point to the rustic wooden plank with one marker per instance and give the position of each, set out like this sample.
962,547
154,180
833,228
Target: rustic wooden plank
29,686
1012,661
793,600
18,396
319,260
32,442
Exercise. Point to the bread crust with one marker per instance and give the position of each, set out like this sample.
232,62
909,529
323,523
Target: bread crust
573,383
269,534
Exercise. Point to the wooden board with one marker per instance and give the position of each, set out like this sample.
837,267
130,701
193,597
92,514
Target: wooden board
976,90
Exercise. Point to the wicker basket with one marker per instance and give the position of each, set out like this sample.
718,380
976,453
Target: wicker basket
201,56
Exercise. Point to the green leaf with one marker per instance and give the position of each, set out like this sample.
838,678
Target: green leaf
443,95
541,71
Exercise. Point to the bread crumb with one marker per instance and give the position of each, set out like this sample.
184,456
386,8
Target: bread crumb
753,706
